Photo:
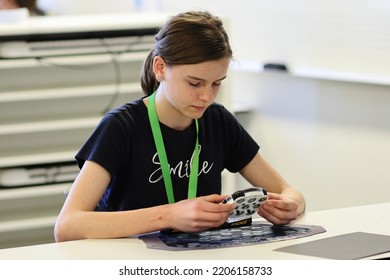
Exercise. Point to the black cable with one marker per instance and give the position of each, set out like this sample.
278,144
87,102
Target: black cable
117,70
118,77
116,65
42,61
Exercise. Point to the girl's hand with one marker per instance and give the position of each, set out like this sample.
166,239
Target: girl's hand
279,209
198,214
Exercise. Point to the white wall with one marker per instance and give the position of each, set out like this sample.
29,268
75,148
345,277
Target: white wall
330,139
98,6
348,35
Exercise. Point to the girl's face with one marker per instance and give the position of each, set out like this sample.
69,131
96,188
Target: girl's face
186,91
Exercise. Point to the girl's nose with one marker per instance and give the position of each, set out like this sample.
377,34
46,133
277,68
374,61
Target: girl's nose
207,94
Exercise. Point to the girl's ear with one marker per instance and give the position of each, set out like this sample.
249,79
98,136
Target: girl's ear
159,68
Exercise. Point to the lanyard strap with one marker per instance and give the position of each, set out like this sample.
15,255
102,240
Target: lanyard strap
162,155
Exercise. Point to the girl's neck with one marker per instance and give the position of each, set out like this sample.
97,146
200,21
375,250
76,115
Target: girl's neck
168,115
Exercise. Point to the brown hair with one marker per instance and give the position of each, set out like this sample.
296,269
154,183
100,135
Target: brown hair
187,38
31,5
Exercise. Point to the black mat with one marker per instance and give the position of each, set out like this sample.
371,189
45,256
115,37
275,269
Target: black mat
256,233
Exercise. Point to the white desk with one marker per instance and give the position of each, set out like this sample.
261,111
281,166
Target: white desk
370,218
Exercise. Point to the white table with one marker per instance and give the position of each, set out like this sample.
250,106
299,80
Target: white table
373,218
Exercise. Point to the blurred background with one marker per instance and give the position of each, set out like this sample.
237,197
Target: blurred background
310,81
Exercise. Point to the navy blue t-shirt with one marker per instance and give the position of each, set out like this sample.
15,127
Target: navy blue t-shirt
123,144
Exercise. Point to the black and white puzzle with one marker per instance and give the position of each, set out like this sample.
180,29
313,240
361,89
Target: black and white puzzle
256,233
247,202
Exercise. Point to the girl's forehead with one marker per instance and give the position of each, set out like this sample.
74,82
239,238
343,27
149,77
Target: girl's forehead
213,69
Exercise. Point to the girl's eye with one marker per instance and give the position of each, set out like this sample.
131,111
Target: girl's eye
217,84
194,84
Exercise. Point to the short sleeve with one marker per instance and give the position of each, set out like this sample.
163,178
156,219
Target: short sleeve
106,145
240,148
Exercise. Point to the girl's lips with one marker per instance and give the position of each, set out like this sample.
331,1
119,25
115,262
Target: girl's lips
199,108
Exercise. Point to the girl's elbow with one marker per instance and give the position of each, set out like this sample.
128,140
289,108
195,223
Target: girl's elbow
58,232
61,231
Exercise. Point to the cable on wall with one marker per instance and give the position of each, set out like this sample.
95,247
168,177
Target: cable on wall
114,54
117,75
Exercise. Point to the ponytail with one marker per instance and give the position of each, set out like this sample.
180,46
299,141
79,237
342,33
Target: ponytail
149,84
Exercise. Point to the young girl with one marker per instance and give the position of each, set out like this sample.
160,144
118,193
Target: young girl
156,163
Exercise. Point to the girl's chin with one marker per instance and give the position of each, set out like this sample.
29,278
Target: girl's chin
197,115
199,110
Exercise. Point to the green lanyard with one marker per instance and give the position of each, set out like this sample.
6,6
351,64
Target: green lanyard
162,155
